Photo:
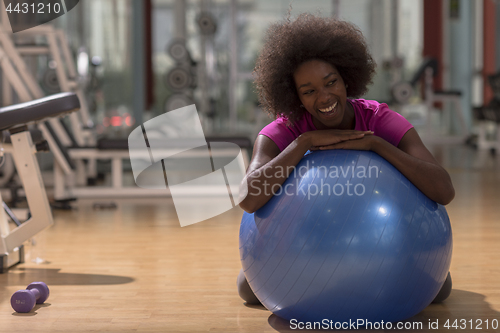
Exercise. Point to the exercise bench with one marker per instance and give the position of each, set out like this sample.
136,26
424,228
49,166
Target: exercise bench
16,119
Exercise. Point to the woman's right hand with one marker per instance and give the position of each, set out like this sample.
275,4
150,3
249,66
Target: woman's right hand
318,138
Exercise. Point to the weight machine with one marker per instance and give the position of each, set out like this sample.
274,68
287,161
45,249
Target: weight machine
57,48
75,150
489,114
15,119
404,90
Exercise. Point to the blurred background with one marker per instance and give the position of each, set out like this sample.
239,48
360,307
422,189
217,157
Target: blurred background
140,58
129,61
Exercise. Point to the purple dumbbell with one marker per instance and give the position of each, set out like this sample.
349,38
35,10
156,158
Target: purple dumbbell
24,300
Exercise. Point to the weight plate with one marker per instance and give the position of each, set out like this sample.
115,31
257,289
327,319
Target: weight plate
178,79
177,49
50,82
207,23
177,101
401,92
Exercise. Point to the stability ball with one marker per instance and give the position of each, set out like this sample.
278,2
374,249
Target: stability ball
346,237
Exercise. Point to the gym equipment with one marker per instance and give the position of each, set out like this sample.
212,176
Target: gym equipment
346,237
18,78
75,146
489,114
23,301
178,51
56,46
177,101
118,151
70,179
179,79
207,23
15,118
50,82
402,91
11,214
7,170
182,77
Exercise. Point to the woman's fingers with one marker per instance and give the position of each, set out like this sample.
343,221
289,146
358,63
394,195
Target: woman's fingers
364,143
341,132
354,136
330,137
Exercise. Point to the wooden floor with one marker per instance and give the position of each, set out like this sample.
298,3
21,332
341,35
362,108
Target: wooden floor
134,269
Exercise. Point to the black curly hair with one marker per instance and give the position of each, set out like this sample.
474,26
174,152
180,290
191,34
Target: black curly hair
291,43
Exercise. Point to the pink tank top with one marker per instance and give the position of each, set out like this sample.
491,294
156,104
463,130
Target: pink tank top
370,116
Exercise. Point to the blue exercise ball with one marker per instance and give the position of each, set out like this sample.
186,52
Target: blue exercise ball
346,237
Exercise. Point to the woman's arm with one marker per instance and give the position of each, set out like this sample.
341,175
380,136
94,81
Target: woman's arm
413,160
269,168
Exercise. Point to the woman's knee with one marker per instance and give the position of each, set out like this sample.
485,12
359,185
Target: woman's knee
245,291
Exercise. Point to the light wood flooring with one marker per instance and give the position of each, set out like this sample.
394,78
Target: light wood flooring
134,269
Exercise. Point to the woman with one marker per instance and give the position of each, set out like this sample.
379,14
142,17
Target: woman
308,75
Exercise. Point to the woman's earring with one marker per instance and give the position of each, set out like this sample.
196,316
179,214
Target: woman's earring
346,86
301,105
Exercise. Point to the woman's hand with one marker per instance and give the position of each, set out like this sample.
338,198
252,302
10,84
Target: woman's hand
327,138
366,142
411,158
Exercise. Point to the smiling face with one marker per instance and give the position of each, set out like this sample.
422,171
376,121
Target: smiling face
322,91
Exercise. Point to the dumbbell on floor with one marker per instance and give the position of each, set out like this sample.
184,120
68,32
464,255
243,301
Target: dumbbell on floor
24,300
